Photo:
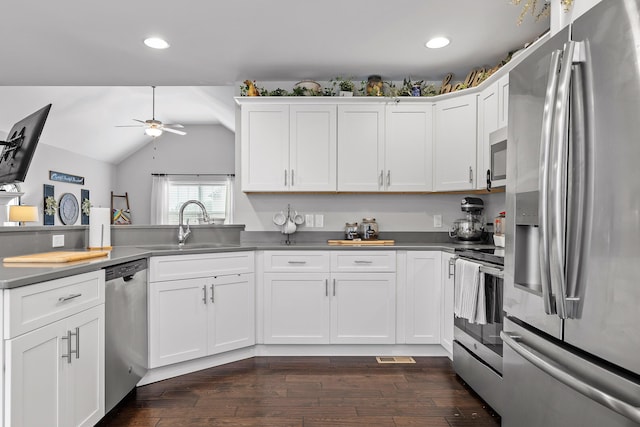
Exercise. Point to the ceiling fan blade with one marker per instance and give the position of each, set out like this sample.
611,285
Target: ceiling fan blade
129,126
179,132
174,125
140,121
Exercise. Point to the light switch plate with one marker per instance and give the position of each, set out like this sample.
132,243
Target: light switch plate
319,220
437,221
308,220
57,241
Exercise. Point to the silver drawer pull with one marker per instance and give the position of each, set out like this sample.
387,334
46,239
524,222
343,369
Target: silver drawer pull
68,297
77,350
297,262
358,261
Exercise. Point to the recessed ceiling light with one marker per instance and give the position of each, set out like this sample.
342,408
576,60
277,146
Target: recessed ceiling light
437,42
156,43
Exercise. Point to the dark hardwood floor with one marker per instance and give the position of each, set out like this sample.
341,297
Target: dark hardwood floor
309,392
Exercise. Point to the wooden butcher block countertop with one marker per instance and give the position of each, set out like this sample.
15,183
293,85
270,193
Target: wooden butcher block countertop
57,256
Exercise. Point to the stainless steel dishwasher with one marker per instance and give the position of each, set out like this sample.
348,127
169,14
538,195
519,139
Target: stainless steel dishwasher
126,348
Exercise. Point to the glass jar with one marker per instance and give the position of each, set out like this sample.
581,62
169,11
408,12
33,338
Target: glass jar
351,230
498,224
368,229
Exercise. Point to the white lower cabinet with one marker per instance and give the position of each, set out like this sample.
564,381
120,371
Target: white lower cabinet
200,316
55,374
351,302
193,318
448,277
422,304
296,308
363,308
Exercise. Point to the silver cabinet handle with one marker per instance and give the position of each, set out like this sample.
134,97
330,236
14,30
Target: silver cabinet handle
292,178
68,297
362,261
544,170
297,262
77,335
452,271
556,370
68,355
204,297
213,300
381,179
470,175
285,177
334,287
326,287
388,177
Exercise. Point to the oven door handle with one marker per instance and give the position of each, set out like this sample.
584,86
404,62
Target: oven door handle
492,271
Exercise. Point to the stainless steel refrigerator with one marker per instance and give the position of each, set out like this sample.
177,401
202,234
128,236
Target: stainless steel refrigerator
572,261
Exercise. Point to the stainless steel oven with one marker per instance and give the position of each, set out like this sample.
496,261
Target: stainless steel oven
477,348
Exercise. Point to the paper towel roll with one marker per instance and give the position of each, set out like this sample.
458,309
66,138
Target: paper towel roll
100,228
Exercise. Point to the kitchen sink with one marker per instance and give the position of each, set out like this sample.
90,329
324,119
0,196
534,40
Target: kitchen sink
175,247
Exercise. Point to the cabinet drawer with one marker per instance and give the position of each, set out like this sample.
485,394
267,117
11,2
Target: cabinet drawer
30,307
363,261
290,261
174,267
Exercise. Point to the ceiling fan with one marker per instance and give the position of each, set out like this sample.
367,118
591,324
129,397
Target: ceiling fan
153,127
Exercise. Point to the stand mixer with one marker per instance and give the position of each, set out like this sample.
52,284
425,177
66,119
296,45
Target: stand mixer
470,228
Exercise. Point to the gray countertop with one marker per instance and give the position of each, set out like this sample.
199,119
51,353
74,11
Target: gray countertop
14,275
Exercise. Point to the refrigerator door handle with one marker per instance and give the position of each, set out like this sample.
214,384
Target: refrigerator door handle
561,374
543,182
577,238
558,181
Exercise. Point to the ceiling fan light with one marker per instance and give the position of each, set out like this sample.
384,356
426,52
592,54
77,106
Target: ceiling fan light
153,131
437,42
156,43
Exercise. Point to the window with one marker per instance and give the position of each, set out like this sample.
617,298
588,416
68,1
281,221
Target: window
172,191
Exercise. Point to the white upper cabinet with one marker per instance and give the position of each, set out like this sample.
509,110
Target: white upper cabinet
455,143
312,151
360,147
288,147
265,147
488,117
408,149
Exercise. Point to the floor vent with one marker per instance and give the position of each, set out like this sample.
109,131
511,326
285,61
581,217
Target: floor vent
395,359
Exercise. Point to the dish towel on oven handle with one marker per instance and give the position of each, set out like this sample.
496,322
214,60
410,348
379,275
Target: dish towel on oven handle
469,292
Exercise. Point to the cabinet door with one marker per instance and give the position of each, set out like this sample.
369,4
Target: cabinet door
408,152
177,320
85,377
423,298
360,147
455,144
488,113
265,147
313,157
35,389
363,308
503,101
446,323
296,308
231,314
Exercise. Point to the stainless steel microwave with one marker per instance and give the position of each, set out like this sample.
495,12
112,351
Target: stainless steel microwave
497,174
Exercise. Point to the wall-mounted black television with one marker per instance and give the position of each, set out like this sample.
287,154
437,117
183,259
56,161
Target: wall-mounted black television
17,150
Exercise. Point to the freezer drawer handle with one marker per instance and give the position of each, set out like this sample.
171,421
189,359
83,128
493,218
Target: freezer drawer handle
68,297
560,373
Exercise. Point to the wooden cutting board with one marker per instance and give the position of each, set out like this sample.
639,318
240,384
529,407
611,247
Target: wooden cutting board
361,242
57,257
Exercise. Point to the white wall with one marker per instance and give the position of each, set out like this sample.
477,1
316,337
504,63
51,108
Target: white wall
560,18
98,177
204,149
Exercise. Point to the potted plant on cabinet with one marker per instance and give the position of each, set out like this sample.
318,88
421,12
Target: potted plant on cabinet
346,86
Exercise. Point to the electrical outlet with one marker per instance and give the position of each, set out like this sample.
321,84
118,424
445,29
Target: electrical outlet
308,220
57,241
319,220
437,221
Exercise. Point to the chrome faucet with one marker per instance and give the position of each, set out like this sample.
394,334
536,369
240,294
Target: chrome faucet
183,234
